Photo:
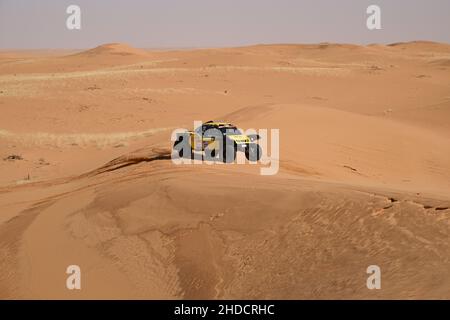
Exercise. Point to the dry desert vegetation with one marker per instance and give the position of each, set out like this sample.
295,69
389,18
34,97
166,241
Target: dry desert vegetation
364,179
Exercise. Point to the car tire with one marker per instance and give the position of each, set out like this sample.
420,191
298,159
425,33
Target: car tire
253,152
178,148
210,154
229,154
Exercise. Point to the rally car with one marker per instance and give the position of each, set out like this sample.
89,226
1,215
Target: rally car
217,139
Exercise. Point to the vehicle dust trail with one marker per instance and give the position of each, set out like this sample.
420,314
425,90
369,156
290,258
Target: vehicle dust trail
138,156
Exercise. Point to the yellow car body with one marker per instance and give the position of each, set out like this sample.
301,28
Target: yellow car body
217,138
201,142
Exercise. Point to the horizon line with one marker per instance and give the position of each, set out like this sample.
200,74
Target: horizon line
231,46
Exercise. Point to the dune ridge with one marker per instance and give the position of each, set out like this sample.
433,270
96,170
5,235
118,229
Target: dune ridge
119,49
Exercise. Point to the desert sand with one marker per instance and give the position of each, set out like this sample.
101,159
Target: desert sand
86,176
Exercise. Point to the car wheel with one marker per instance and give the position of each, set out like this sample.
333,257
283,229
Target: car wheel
229,154
178,148
210,154
253,152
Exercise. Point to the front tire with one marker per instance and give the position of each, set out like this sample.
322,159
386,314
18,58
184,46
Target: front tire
229,154
253,152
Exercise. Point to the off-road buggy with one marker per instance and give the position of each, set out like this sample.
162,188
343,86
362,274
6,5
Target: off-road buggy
217,140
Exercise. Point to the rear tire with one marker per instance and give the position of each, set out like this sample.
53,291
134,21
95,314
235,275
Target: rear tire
210,154
178,148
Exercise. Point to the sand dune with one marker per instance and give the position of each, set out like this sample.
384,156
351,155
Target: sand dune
428,46
143,231
86,176
382,152
103,56
119,49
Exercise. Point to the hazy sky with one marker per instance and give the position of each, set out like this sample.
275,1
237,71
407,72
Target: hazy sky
207,23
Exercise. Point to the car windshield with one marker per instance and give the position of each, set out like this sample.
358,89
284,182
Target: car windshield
230,130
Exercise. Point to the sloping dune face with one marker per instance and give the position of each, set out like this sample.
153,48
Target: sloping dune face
50,62
87,179
111,49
